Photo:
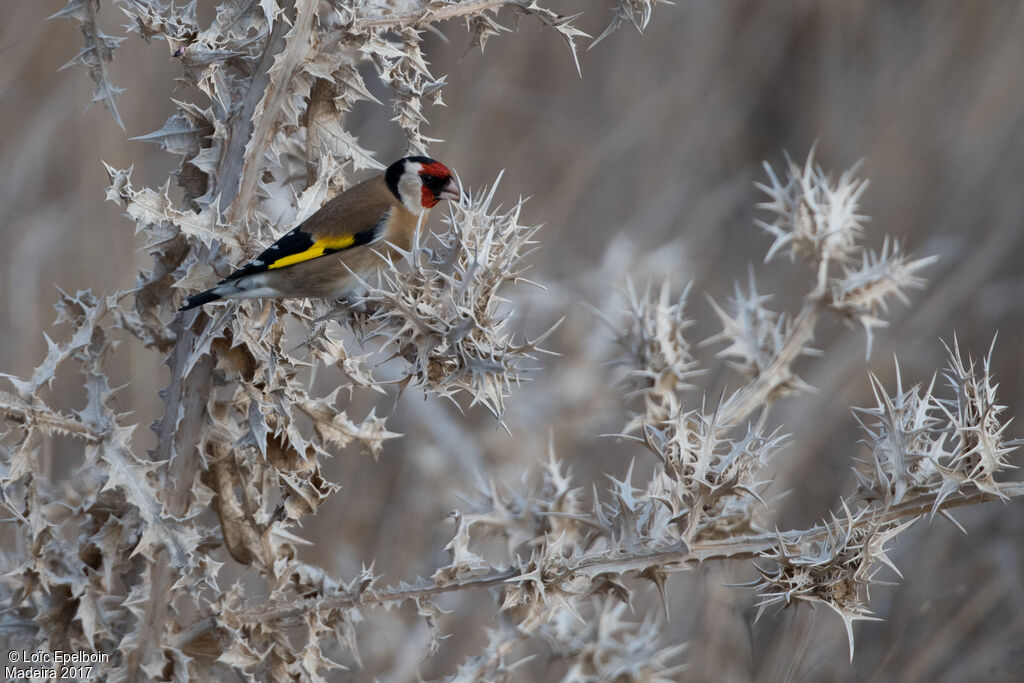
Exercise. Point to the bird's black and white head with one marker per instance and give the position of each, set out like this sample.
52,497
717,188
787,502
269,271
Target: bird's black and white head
420,183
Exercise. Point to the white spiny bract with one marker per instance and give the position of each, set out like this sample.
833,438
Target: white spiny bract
606,646
754,334
835,566
656,352
818,221
978,447
927,443
464,562
490,663
815,219
442,311
906,441
861,293
710,482
156,216
658,360
520,515
636,12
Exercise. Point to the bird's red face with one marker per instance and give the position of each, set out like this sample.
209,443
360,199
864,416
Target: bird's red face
436,183
420,183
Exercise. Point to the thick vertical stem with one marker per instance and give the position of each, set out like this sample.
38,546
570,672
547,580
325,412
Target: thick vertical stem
179,433
286,65
229,170
180,430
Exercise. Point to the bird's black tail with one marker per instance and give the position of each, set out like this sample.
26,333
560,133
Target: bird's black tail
200,299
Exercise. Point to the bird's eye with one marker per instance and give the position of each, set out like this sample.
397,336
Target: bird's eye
427,178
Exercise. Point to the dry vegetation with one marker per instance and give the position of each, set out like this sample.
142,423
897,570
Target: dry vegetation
587,463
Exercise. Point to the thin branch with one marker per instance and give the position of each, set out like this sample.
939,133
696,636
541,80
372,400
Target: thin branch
46,418
747,547
426,15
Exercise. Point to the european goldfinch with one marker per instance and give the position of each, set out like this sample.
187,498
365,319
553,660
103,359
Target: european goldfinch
347,238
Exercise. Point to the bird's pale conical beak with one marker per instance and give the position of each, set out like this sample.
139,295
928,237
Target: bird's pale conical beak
450,191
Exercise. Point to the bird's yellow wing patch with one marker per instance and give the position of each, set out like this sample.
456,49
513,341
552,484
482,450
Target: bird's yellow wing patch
320,248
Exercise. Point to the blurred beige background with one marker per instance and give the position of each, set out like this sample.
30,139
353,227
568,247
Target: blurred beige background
644,166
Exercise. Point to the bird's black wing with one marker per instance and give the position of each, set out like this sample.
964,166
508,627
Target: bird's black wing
298,245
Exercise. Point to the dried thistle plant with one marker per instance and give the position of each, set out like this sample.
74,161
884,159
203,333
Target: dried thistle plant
442,312
123,556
